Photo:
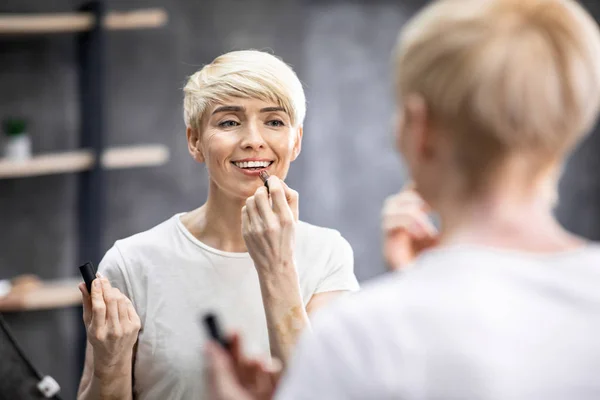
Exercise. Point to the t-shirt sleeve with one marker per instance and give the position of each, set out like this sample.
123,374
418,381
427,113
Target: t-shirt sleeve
325,365
339,272
113,268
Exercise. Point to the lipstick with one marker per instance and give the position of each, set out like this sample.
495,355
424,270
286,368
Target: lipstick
264,175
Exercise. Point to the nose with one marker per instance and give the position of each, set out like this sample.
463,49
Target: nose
252,138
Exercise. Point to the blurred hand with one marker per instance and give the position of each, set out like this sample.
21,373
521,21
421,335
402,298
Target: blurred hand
270,231
235,377
407,229
112,325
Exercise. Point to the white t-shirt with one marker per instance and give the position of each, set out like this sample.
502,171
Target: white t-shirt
464,323
173,279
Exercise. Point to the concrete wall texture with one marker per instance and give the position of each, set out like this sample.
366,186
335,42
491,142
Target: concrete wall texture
340,50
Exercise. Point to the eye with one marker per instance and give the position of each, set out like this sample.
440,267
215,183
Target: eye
228,124
276,122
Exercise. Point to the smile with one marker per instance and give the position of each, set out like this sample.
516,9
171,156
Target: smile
252,165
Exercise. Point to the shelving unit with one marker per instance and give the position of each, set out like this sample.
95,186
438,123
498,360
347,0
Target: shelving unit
23,24
82,160
92,159
50,294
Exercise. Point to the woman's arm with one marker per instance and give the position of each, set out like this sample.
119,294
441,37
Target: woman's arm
113,384
112,327
269,230
286,315
284,310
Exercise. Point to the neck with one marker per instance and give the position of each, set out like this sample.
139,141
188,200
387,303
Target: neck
510,214
218,223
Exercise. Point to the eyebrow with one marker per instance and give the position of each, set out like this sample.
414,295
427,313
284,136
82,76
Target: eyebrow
228,109
239,108
272,109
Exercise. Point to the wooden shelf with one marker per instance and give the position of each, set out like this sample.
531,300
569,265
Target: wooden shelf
81,160
18,24
50,294
135,156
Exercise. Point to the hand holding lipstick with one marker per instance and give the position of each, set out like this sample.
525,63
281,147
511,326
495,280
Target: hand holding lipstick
112,326
268,224
269,230
407,228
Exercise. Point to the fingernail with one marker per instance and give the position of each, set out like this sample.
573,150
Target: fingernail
97,282
99,275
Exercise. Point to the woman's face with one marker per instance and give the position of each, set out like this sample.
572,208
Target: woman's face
241,138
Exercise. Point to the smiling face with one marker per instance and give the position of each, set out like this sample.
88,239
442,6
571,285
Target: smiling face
241,137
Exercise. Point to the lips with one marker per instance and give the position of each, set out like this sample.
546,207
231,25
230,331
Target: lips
252,167
252,164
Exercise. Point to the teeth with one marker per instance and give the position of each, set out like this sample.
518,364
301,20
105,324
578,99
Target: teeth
252,164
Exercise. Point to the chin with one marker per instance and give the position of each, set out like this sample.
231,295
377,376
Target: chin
245,191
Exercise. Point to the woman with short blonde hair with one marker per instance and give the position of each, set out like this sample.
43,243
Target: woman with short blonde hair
243,255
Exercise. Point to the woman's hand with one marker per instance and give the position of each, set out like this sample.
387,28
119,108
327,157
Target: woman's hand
235,377
407,228
112,326
270,235
270,231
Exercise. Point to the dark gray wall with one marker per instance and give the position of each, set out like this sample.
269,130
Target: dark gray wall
340,51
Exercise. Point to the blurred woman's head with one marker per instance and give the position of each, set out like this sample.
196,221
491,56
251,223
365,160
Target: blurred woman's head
244,113
495,90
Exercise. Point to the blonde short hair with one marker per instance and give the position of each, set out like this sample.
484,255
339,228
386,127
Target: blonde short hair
245,74
507,77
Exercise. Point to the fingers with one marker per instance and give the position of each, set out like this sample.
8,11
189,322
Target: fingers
252,211
98,306
87,304
266,214
245,220
403,200
123,312
111,298
235,347
132,314
84,292
285,200
239,361
416,223
293,199
290,194
407,211
398,250
223,382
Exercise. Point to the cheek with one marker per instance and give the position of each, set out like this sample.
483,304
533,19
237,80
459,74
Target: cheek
283,145
216,147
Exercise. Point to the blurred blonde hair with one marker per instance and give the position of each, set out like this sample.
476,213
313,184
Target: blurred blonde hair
506,77
245,74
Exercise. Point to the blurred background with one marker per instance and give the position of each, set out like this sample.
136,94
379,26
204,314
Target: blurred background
341,52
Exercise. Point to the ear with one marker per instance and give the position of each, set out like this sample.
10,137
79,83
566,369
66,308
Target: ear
415,135
297,143
193,139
